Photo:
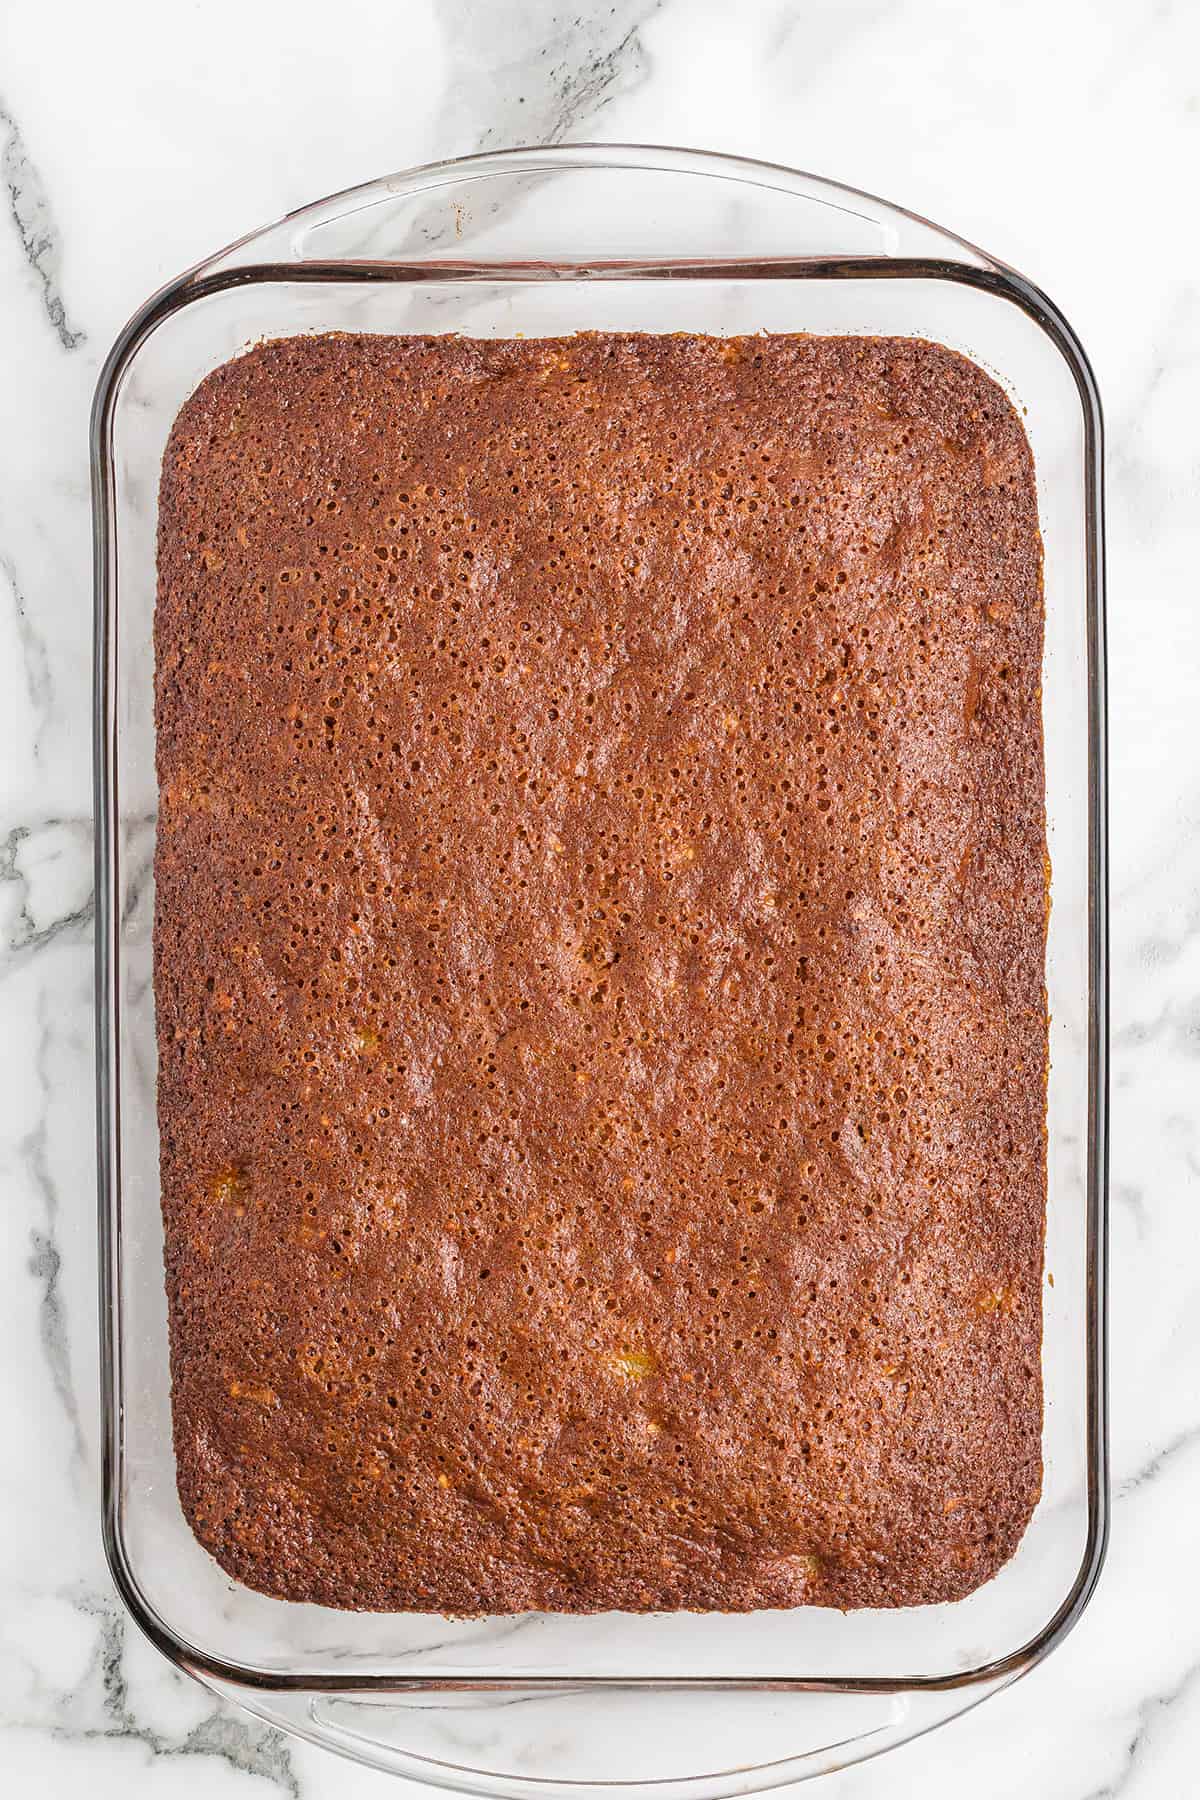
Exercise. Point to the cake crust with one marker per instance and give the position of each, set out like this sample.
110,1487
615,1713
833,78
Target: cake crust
600,924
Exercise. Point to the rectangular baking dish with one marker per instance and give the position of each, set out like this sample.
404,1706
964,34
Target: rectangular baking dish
546,242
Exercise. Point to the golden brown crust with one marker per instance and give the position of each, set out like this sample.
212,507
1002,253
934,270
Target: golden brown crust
599,965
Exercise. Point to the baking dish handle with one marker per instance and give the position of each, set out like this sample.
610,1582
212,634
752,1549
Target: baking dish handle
591,209
674,1742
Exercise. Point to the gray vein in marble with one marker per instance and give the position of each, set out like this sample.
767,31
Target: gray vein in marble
1178,1020
579,91
1133,1199
1158,951
541,71
1179,1131
25,933
465,1726
489,1634
1178,1447
246,1745
1147,1718
137,862
1140,1031
45,1262
29,208
1187,1027
34,656
528,73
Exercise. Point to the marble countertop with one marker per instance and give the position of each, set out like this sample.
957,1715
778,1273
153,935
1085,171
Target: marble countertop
134,140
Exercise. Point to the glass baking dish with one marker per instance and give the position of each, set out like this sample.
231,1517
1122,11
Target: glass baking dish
546,241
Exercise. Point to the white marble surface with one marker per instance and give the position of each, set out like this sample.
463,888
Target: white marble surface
137,137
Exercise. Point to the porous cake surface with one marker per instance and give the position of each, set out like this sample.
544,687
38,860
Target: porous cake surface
599,960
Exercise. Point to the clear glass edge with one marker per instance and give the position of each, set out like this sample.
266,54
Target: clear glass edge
226,269
655,158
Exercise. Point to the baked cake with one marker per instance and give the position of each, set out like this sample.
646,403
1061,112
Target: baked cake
599,958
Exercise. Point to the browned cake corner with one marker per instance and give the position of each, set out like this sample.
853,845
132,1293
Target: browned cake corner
599,956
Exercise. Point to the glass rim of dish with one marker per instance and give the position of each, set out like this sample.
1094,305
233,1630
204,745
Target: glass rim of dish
277,254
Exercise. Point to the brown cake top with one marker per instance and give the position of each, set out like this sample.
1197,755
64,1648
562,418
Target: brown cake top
601,899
